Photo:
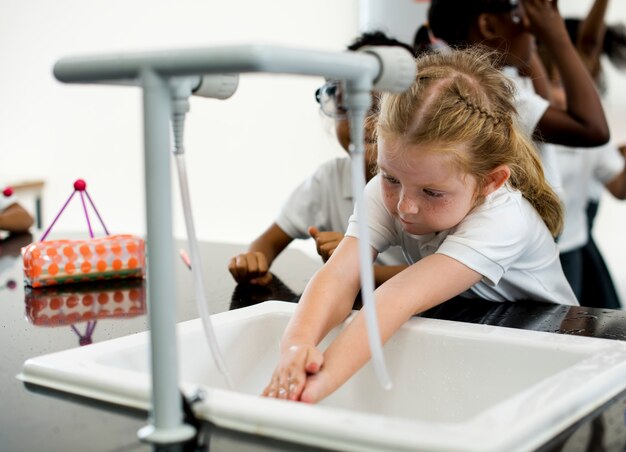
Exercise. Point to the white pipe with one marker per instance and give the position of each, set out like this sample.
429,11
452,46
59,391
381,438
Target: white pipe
228,59
181,89
361,72
358,101
167,416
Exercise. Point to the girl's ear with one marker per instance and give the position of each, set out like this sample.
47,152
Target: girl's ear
496,178
486,26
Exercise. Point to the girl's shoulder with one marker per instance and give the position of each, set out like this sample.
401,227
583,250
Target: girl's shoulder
506,197
504,209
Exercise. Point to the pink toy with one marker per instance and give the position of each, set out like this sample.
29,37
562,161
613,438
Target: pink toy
67,261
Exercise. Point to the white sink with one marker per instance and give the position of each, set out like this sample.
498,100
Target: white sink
457,386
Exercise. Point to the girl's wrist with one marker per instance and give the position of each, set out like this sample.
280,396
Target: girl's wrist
293,345
555,37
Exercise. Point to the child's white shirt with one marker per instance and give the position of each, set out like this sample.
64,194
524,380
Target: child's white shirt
579,169
325,200
530,108
504,239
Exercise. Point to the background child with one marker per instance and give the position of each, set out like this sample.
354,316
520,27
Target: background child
13,217
510,27
462,191
579,167
321,206
584,171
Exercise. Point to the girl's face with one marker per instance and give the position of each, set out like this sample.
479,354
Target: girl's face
512,36
521,40
422,188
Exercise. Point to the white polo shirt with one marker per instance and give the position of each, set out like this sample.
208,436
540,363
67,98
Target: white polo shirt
530,109
325,200
504,239
579,169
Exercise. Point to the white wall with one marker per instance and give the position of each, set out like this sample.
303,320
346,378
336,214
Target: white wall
400,19
244,154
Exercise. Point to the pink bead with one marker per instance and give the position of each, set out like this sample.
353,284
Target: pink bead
7,192
80,185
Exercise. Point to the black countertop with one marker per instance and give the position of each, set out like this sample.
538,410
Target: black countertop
36,418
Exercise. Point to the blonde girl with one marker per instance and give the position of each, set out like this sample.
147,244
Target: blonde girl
461,189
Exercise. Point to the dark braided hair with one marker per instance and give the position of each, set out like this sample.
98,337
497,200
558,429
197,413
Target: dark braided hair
377,38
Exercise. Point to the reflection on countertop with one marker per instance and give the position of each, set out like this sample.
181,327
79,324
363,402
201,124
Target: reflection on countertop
72,304
26,330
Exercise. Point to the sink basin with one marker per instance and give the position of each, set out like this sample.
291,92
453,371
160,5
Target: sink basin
457,386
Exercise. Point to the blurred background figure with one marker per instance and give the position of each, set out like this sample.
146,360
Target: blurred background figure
587,173
13,217
321,206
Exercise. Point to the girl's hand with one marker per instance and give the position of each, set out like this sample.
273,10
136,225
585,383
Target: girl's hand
250,267
317,387
291,374
543,16
326,241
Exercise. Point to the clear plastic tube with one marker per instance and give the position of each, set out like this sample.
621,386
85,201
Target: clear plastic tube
196,265
357,154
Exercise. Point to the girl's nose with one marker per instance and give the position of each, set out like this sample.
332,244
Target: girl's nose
407,205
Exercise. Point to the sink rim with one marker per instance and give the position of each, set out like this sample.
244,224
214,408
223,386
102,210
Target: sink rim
331,426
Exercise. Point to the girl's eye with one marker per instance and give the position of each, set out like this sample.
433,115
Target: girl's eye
390,179
432,194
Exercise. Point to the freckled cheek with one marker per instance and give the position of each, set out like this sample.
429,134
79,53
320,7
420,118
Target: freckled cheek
446,214
391,202
435,210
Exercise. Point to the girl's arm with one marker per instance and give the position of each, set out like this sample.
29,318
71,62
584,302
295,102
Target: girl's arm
583,123
425,284
253,266
590,37
328,241
325,303
537,73
382,273
328,298
617,186
271,243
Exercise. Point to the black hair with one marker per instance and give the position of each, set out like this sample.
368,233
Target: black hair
377,38
613,45
421,41
451,20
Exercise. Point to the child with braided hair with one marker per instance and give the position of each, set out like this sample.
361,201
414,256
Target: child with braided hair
460,188
321,205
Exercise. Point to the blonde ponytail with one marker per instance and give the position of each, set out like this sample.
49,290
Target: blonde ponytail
462,104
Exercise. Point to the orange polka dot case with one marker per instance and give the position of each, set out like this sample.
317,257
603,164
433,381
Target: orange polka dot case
53,262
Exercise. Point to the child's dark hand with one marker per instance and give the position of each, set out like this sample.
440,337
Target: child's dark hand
325,241
250,267
544,17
